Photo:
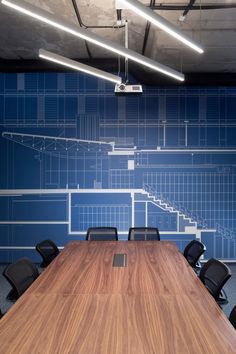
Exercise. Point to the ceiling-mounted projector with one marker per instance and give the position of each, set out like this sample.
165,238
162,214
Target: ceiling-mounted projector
123,89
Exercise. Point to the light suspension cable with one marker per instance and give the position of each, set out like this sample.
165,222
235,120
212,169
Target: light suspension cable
55,58
77,31
160,22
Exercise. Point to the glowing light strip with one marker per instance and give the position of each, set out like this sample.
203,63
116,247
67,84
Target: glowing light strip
55,58
75,30
160,22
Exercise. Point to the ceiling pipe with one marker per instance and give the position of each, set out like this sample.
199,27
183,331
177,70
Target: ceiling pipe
187,9
147,30
170,7
81,25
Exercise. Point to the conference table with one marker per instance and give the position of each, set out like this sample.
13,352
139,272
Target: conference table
104,297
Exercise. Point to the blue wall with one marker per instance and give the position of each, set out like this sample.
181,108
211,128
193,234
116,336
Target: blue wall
68,146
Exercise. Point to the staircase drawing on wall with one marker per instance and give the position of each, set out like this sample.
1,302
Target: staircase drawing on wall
194,225
185,222
227,238
184,229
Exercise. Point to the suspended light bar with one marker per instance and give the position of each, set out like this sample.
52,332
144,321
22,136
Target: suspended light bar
160,22
77,31
78,66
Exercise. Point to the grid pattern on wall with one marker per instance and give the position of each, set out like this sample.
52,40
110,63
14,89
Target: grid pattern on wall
172,150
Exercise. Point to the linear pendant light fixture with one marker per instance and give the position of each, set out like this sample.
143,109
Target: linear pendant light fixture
91,37
160,22
44,54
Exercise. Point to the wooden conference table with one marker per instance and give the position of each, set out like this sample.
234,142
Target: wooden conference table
81,304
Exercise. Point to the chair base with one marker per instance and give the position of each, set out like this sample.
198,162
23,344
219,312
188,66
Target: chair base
197,267
222,300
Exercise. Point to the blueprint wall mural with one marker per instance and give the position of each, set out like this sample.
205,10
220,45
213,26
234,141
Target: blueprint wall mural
74,155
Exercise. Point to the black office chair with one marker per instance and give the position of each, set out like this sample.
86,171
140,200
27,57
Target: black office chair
102,234
232,317
214,274
20,275
143,234
1,314
48,251
192,252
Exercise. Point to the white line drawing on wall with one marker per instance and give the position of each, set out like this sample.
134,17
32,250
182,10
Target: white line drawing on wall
185,225
54,143
190,227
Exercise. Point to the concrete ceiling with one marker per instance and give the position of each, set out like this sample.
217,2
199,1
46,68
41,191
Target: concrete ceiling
215,30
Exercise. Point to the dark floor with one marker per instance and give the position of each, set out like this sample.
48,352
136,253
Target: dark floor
230,289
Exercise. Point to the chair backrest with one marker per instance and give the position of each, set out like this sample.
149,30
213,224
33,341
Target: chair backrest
102,234
143,234
21,275
193,252
214,274
232,317
48,251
